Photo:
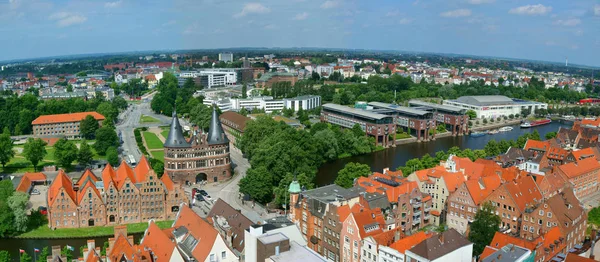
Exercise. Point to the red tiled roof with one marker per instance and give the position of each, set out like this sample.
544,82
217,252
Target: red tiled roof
83,190
167,182
536,145
387,238
482,188
582,167
487,251
469,168
524,192
500,240
61,181
199,229
65,118
343,212
453,180
156,240
364,217
27,180
88,174
410,241
141,170
435,213
371,185
583,153
108,175
123,172
24,185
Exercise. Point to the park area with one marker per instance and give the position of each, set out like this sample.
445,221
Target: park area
144,119
19,164
153,140
44,231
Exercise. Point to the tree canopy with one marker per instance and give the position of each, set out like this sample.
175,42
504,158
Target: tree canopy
105,138
484,227
34,151
65,152
350,172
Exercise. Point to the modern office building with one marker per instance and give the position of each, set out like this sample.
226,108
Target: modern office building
266,102
305,102
412,119
495,106
453,117
217,77
380,126
204,157
226,57
66,125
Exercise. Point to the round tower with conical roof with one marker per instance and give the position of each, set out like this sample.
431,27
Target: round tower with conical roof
204,157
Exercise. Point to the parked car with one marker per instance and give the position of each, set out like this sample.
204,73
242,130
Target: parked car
204,194
43,210
200,197
35,192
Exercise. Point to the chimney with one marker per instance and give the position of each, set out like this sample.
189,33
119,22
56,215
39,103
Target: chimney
55,251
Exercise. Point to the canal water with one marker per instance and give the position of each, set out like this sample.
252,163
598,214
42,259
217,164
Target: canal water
12,245
397,156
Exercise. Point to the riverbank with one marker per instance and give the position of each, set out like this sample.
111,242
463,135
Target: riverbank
44,232
489,126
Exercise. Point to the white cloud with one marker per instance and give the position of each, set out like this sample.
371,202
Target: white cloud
538,9
578,32
64,19
568,22
301,16
112,4
597,10
405,21
330,4
480,2
456,13
271,27
253,8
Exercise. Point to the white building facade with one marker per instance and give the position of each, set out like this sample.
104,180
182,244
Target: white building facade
495,106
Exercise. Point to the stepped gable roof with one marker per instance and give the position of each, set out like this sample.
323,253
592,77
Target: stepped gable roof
87,175
82,191
156,240
61,181
481,188
108,175
175,137
198,229
65,118
236,220
142,169
122,249
435,247
216,135
579,168
167,182
524,192
410,241
124,171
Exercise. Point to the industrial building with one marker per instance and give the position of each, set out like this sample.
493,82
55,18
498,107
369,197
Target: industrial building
496,106
421,121
453,117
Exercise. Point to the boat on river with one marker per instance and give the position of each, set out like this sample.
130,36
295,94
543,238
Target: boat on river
536,123
505,129
477,134
493,132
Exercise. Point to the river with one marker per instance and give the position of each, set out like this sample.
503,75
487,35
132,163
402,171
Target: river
396,156
12,245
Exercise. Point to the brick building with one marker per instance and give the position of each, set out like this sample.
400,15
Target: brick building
66,125
121,196
361,223
512,199
583,176
373,124
269,78
234,125
562,211
545,247
465,201
204,157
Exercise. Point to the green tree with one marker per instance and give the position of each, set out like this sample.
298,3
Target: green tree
67,252
18,204
34,151
112,156
243,111
25,257
6,149
484,227
65,152
85,154
244,90
535,135
258,184
328,144
105,138
69,88
492,148
88,127
201,116
158,167
472,114
46,253
550,135
4,256
350,172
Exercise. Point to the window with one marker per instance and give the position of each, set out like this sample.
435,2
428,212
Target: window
355,243
541,212
549,214
212,257
224,254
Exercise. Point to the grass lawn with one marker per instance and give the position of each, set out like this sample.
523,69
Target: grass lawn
148,119
45,232
160,155
152,140
402,135
165,131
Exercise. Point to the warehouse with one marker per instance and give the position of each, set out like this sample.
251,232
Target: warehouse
495,106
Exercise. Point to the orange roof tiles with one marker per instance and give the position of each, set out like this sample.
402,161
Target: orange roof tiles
482,188
65,118
556,153
487,251
572,257
365,217
583,153
142,169
453,180
199,229
39,176
582,167
88,174
371,185
24,185
524,192
83,190
122,248
536,145
156,240
108,175
410,241
124,171
61,181
435,172
397,173
469,168
435,213
28,179
167,182
387,238
592,122
343,212
500,240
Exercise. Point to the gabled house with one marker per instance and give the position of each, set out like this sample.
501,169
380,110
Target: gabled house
465,201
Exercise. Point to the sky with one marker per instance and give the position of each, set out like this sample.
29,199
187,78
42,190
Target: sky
541,30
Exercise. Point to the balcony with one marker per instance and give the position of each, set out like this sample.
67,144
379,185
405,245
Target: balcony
416,214
416,204
427,208
416,222
426,217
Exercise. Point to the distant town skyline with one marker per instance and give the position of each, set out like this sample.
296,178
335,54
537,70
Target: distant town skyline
544,30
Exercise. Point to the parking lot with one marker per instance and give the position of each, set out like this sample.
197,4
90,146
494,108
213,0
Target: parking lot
36,200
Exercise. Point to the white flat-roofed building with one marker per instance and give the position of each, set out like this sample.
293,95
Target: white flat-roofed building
305,102
226,57
495,106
